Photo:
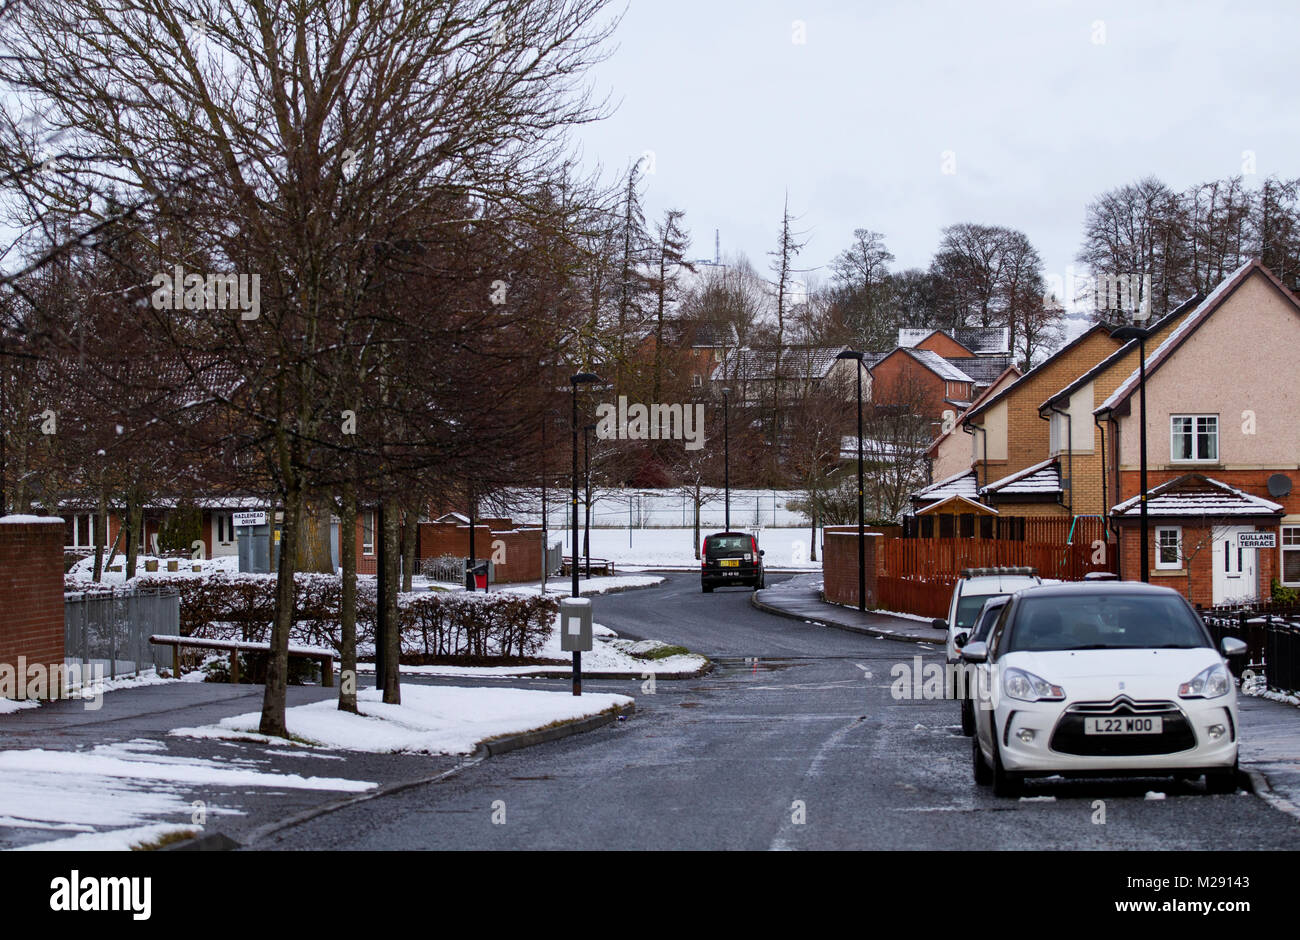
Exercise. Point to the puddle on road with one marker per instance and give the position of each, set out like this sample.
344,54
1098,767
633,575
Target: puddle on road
753,665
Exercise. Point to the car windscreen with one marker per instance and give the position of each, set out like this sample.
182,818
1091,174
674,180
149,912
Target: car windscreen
728,543
1105,621
969,607
981,632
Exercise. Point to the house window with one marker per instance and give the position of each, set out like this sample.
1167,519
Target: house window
1291,554
1194,437
1169,547
367,533
225,527
696,380
80,531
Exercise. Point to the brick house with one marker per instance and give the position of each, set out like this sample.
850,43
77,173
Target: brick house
1223,444
922,380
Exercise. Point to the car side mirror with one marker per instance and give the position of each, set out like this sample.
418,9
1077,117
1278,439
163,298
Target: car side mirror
976,652
1233,647
939,623
960,639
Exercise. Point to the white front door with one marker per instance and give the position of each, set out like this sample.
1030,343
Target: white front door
1234,568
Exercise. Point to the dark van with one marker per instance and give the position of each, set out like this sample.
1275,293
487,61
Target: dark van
730,558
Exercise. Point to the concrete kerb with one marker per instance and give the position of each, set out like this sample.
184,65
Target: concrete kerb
850,628
1259,785
488,748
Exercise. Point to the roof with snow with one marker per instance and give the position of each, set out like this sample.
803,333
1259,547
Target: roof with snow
983,341
938,365
1196,495
957,503
797,362
1174,340
983,370
959,484
1042,479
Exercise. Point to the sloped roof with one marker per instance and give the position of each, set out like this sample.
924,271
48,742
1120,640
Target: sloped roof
1042,478
1203,311
939,365
959,484
1195,494
992,340
1118,354
957,501
983,370
797,362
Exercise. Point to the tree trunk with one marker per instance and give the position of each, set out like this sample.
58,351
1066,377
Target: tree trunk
101,530
409,530
812,546
130,522
393,642
314,539
277,667
348,615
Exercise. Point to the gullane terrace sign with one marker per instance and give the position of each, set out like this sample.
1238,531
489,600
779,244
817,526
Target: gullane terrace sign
1257,540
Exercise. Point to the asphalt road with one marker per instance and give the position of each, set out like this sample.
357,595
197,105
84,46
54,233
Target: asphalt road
788,745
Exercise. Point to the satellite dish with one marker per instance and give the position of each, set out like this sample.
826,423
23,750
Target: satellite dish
1279,485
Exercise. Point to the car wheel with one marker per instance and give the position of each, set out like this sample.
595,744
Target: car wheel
983,774
1005,783
1222,781
708,589
967,717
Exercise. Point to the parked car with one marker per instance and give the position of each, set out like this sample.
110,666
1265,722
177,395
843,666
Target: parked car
1103,678
730,558
988,615
973,588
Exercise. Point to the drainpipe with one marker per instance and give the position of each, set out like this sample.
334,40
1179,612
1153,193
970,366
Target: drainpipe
1069,449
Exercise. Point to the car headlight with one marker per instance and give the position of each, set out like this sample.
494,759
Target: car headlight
1208,683
1027,687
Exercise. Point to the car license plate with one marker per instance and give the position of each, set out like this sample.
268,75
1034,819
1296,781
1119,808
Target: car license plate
1123,724
731,562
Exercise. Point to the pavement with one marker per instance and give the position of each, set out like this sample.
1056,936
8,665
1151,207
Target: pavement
800,598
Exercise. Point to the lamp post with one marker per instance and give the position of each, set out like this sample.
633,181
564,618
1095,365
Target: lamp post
581,378
862,536
726,459
1141,335
586,508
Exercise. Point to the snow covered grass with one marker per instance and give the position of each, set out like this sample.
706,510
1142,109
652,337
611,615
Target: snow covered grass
124,789
430,720
588,586
118,840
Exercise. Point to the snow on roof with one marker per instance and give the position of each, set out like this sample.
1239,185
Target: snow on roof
1203,310
939,365
1042,477
19,519
959,484
958,501
797,362
1194,494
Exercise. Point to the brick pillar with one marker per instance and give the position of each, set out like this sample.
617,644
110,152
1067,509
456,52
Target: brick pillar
31,594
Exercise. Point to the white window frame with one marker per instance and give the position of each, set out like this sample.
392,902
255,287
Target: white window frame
1195,419
368,522
77,529
697,380
1293,531
1177,565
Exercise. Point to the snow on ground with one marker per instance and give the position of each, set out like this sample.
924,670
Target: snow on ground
116,840
587,586
430,720
675,548
125,786
8,705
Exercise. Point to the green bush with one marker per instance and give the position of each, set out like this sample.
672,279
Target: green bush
1282,594
252,669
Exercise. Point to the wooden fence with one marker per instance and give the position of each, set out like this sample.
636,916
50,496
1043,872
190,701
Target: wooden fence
916,575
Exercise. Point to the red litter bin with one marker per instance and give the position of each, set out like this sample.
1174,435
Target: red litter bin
476,576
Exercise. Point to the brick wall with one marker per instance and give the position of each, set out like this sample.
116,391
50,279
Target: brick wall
1195,580
840,568
31,592
516,553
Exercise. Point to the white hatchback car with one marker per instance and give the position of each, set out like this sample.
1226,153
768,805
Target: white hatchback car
973,588
1103,679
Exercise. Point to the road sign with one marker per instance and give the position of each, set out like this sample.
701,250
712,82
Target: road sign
249,518
1257,540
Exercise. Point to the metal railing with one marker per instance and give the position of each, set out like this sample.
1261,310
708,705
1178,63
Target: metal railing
1272,638
110,629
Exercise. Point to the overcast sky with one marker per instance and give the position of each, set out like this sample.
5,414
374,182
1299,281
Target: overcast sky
1043,105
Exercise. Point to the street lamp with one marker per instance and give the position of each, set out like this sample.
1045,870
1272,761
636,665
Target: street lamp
586,475
581,378
1140,334
726,459
862,536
